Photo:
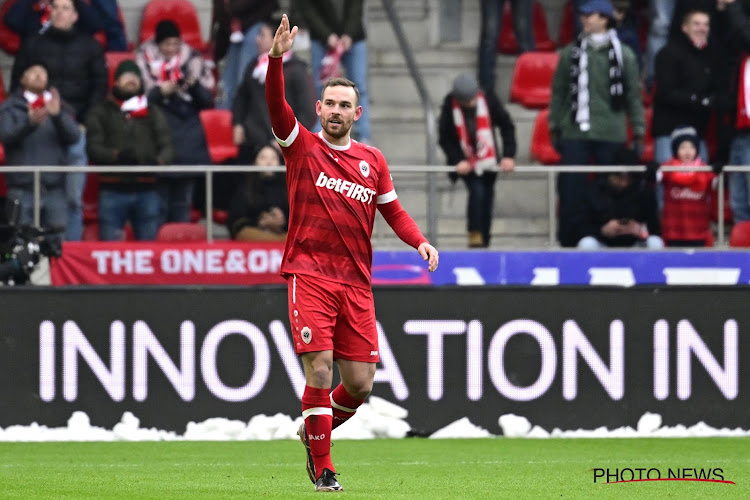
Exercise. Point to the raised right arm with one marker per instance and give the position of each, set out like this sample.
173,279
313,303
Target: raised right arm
283,122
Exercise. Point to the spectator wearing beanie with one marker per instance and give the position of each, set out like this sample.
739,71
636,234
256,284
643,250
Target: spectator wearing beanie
125,129
36,127
686,217
179,82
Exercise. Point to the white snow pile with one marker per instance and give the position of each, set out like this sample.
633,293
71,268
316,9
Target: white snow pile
377,418
649,425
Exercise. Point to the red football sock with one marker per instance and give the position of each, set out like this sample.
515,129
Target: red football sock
316,409
344,405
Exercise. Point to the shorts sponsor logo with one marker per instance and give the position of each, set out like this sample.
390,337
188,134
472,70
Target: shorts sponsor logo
364,167
306,335
347,188
373,353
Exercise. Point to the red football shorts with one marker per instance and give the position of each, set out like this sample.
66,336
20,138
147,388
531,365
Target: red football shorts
330,316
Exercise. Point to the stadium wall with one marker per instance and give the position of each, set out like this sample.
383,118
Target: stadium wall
565,357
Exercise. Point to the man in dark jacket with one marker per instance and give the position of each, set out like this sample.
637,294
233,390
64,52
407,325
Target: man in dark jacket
76,68
35,128
467,136
125,129
179,81
617,210
691,81
251,123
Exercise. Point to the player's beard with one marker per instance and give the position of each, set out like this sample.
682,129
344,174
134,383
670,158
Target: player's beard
342,130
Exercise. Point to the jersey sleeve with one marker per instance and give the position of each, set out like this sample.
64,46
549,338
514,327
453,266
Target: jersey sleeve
386,190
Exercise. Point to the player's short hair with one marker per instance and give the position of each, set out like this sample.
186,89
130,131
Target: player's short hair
340,82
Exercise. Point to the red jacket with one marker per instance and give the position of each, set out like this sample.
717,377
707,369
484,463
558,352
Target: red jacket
686,214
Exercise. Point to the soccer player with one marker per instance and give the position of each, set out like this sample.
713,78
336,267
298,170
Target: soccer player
334,186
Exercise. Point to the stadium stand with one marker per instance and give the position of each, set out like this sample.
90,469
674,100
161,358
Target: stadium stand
506,41
182,12
531,85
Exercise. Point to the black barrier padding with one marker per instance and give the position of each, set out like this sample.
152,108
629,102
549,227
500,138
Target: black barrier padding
477,382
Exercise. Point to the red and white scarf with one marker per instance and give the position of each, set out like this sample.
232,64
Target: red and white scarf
44,9
261,66
165,71
135,107
37,101
743,95
484,158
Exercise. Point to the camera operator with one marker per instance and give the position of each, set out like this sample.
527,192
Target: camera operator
36,128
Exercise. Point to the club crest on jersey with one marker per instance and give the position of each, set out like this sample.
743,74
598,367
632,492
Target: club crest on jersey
364,167
306,334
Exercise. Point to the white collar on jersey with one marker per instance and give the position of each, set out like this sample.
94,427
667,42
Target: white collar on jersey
334,146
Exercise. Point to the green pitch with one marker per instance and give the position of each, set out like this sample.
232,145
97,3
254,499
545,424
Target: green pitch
388,469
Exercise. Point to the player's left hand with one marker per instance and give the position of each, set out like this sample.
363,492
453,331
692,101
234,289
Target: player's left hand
430,254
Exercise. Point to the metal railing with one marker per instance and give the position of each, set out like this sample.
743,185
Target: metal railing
209,170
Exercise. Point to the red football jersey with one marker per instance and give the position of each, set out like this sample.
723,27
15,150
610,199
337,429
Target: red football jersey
333,194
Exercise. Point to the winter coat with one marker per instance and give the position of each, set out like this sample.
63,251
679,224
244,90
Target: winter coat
109,131
251,111
249,13
181,109
321,18
685,75
75,65
44,144
600,204
448,138
606,123
22,19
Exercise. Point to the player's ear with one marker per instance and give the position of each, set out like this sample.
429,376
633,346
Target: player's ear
357,113
318,107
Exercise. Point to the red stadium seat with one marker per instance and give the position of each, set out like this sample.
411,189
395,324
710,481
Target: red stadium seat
567,25
740,235
181,231
217,123
113,59
91,198
220,216
10,42
541,147
182,12
506,41
532,79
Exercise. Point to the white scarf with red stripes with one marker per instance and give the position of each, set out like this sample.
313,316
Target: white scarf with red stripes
484,156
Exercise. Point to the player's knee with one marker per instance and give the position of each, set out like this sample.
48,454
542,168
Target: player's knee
321,375
360,389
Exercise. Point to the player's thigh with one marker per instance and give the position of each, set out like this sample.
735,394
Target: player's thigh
356,333
313,311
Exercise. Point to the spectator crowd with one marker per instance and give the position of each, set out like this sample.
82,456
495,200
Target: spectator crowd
674,73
